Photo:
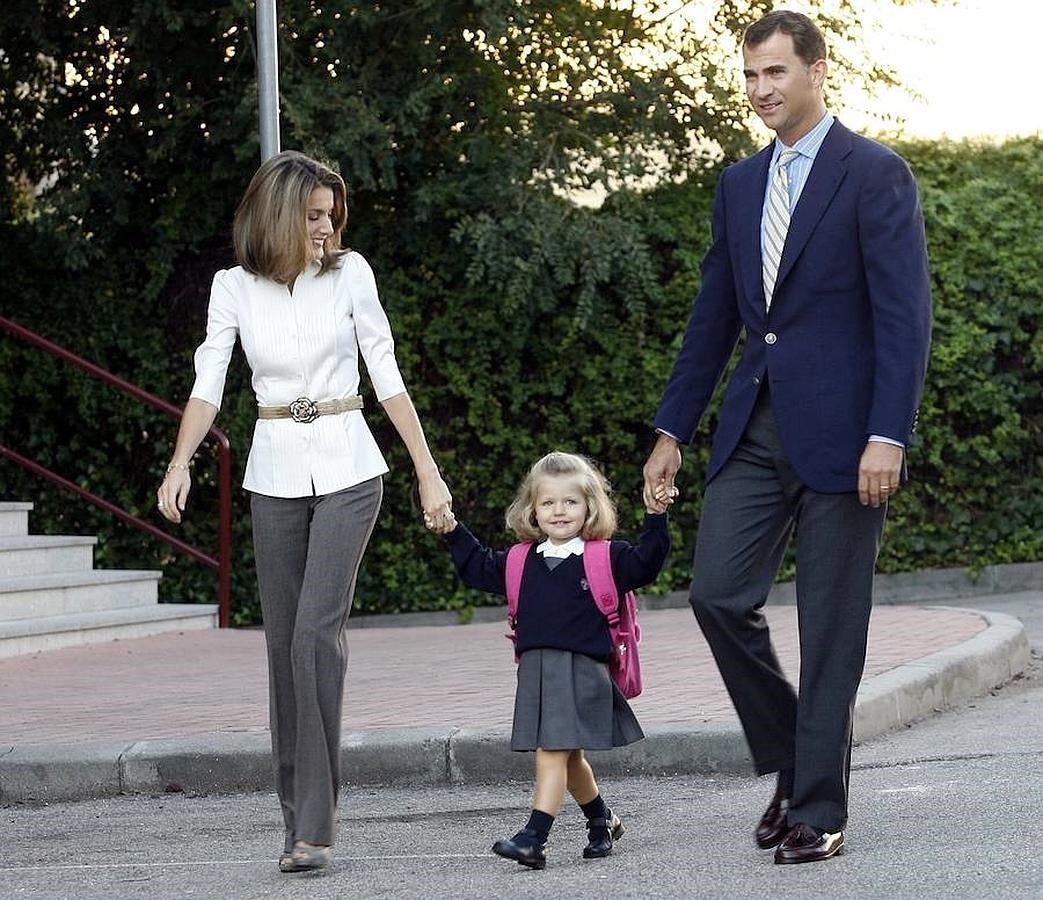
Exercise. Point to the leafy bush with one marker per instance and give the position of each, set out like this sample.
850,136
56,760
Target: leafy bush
500,383
978,463
524,323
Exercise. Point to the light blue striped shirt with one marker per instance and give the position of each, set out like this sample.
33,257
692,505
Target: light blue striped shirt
807,148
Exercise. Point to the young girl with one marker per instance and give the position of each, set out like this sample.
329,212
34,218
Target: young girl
565,702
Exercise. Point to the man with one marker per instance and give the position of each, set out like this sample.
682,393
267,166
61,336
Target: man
818,255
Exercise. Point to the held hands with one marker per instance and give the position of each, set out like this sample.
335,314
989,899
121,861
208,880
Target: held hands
437,503
879,473
662,498
442,525
660,470
173,493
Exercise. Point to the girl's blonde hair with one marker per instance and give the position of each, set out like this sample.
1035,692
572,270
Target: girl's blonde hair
270,231
601,518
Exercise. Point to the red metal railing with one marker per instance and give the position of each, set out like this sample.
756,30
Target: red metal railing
223,563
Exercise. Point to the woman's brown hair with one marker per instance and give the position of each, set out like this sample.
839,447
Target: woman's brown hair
270,230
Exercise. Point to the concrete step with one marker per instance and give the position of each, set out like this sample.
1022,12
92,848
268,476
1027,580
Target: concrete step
25,636
51,596
64,593
33,554
14,517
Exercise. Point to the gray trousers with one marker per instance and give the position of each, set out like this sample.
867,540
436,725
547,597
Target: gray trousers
749,511
308,551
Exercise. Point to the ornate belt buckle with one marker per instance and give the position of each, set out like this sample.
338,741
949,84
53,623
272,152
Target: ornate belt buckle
304,410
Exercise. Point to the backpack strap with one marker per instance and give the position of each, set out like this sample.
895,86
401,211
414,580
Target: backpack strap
597,565
516,557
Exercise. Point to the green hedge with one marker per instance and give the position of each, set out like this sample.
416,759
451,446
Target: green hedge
501,380
976,499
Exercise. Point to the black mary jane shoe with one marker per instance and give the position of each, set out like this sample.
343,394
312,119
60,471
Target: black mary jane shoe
611,830
524,848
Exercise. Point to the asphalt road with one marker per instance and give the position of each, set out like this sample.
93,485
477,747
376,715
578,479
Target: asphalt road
947,808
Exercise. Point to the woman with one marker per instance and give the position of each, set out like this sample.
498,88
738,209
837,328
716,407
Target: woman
304,310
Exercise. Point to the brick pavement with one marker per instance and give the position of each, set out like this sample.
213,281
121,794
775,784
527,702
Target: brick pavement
203,682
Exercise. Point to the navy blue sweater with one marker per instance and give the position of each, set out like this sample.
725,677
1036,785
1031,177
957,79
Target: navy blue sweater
556,608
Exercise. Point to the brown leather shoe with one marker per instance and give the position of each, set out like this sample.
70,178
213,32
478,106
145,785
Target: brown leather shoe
805,843
772,827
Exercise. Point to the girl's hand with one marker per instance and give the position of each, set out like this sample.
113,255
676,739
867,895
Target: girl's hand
448,524
437,503
173,494
661,499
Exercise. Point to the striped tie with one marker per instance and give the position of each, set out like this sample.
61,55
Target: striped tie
776,224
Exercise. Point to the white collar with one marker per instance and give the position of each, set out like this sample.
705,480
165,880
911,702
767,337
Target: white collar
562,551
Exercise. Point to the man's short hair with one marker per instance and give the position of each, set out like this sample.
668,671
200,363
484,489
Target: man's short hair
808,41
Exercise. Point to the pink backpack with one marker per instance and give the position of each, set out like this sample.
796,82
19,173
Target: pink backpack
625,665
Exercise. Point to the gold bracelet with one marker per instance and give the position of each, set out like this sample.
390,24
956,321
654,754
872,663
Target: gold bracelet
176,467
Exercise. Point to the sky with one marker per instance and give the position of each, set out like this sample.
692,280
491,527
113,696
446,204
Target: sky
974,62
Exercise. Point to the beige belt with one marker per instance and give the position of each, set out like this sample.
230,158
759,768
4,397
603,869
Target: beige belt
304,410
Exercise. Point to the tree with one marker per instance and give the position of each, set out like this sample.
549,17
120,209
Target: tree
525,320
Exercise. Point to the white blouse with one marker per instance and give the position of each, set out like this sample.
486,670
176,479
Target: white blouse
304,344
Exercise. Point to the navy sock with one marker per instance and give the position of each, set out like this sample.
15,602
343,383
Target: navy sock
595,809
541,823
785,782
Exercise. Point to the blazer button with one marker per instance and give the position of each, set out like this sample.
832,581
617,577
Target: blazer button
770,338
756,380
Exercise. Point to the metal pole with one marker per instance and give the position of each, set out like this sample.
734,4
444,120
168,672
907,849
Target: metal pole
268,77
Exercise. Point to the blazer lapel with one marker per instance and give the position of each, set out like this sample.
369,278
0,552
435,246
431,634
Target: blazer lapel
826,173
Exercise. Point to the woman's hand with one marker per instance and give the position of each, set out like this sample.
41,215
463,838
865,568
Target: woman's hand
173,494
435,499
437,503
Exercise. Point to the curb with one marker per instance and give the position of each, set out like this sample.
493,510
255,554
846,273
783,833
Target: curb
944,679
928,586
891,589
230,763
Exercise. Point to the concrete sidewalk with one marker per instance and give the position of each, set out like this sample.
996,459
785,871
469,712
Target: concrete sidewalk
428,704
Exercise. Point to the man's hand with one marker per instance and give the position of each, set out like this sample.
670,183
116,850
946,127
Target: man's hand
662,466
879,472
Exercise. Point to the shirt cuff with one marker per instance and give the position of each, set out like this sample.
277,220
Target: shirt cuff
669,435
880,439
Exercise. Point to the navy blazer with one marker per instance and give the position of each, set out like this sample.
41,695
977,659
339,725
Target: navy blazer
845,344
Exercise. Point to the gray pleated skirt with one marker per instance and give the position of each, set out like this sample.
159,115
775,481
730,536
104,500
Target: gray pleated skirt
567,701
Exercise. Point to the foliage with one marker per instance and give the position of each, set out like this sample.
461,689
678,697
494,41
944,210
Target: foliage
524,321
979,460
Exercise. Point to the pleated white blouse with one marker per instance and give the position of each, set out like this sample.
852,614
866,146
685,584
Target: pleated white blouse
304,344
